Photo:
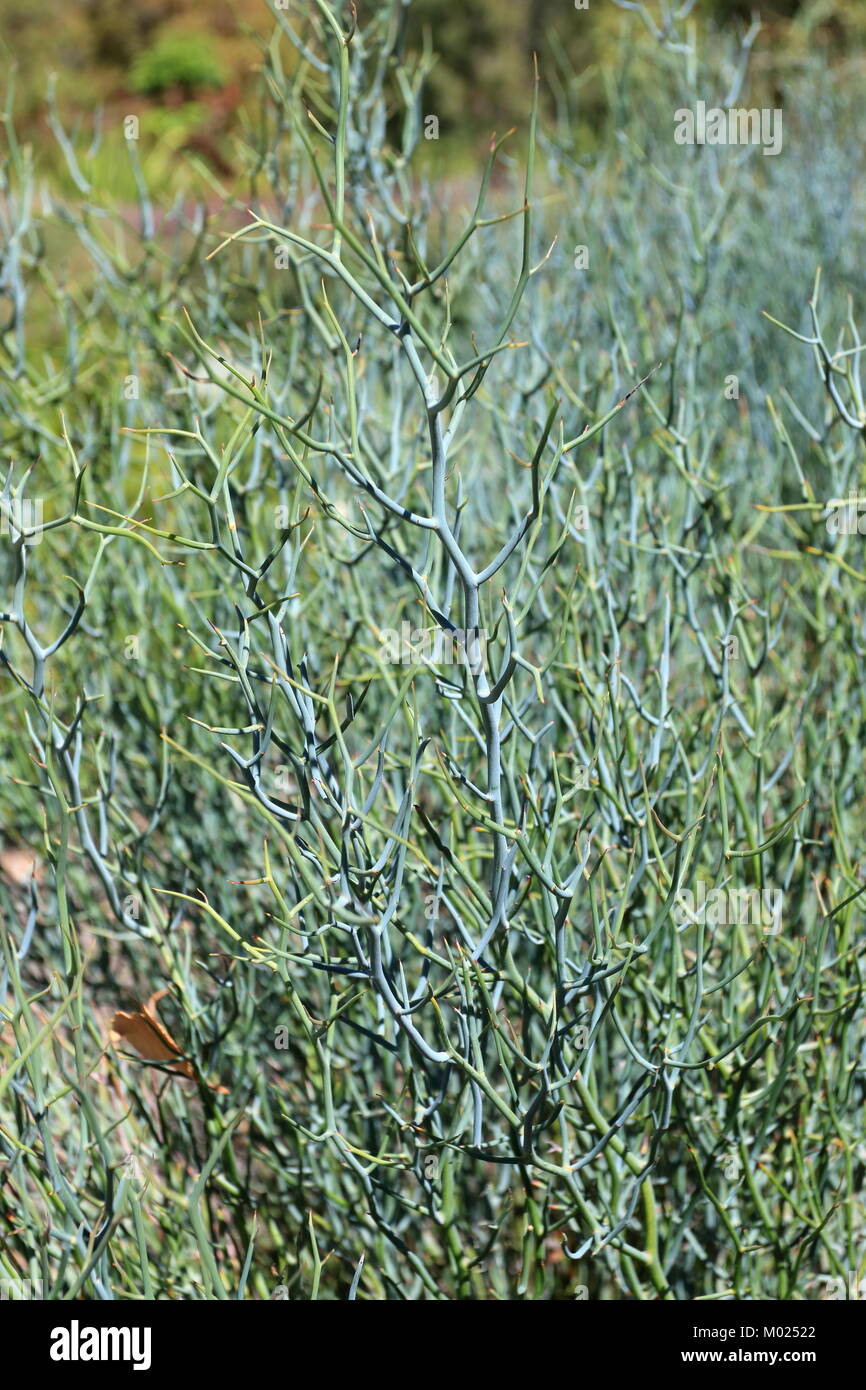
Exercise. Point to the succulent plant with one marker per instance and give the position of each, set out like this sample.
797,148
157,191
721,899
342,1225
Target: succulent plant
471,992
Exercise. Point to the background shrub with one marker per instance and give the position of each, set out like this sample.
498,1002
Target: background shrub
176,60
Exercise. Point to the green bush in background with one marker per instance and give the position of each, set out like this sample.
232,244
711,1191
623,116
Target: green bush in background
177,60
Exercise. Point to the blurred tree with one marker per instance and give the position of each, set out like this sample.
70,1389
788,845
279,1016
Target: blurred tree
185,62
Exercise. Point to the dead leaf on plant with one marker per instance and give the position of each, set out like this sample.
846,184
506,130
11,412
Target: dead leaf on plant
143,1031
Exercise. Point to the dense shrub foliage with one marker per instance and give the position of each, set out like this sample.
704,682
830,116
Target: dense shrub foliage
183,61
432,646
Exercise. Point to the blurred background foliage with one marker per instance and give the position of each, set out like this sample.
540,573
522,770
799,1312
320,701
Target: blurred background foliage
189,71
